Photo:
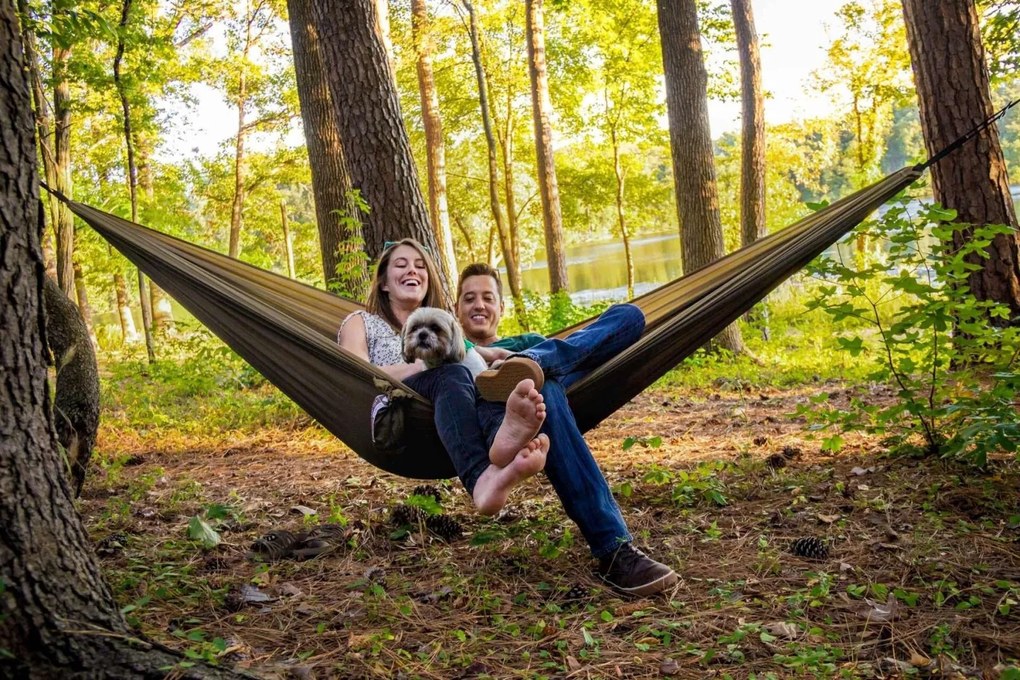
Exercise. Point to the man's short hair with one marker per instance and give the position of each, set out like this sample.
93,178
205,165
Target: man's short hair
479,269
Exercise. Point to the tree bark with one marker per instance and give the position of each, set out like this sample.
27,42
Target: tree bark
541,110
372,131
952,91
620,216
237,205
128,332
752,126
287,245
82,297
697,198
62,161
435,149
341,242
60,615
513,273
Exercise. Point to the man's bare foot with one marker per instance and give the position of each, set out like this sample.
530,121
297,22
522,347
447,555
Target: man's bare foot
525,413
494,486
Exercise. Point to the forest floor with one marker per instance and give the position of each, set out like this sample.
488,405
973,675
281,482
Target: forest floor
922,578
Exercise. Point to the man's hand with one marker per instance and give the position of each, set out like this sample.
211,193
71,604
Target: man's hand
492,354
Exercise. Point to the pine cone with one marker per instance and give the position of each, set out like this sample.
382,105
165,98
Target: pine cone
408,515
574,594
790,452
444,526
775,461
276,545
811,548
427,490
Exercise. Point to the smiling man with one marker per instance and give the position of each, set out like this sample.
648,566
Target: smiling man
570,466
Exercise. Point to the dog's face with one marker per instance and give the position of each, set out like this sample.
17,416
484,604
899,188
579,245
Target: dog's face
434,336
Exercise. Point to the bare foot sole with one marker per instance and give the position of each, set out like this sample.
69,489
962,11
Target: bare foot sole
525,413
494,486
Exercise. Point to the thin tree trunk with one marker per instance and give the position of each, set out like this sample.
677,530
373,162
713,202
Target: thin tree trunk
62,159
60,617
237,205
752,134
287,245
506,145
159,301
953,95
341,242
128,332
435,149
691,142
541,110
505,240
465,234
84,308
372,131
132,176
620,218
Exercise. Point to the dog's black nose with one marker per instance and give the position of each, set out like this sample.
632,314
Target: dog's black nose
423,336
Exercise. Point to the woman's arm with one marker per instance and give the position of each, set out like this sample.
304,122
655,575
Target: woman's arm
353,339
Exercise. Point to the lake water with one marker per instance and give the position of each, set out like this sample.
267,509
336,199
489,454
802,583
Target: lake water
597,271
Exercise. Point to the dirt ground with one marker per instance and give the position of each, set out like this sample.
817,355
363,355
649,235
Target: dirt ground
921,576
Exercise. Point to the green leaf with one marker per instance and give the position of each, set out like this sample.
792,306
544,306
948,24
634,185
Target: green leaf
628,443
199,530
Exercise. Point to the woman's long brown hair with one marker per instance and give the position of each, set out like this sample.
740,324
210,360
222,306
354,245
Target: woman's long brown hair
378,302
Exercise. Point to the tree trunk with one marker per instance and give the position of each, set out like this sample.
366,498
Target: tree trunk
128,332
435,149
697,199
62,160
60,615
84,308
337,217
506,243
287,245
42,116
620,218
159,301
752,134
372,131
541,111
237,205
952,91
76,398
132,175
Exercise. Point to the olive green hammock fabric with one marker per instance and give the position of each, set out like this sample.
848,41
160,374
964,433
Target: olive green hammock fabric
288,330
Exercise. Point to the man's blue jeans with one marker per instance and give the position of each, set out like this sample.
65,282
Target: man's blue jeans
570,359
468,424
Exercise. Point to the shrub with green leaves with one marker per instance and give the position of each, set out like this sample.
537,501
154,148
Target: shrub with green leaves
906,308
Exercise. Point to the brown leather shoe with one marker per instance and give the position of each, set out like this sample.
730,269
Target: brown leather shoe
496,384
630,571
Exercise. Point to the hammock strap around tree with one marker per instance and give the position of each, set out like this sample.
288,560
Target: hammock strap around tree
287,330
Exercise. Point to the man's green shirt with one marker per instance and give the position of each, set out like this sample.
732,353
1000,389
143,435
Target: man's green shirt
514,343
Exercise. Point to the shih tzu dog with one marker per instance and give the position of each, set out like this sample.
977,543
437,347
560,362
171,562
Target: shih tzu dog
434,336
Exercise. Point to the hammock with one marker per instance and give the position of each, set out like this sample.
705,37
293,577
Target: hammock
287,330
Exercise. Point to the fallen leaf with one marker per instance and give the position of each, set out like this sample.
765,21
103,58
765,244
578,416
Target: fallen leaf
290,590
782,629
250,593
880,611
827,519
573,664
919,660
669,667
858,471
304,510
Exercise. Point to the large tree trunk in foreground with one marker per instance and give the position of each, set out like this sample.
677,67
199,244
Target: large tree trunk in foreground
435,148
60,618
697,198
952,92
541,110
338,219
375,142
